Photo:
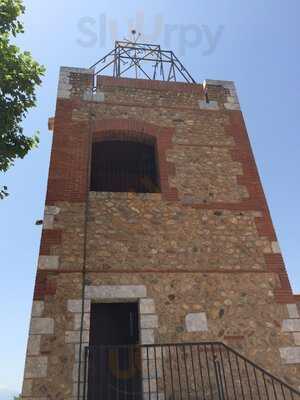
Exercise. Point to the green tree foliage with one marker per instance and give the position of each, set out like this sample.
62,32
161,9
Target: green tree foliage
20,74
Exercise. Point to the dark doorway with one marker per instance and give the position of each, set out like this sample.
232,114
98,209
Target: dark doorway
124,166
114,371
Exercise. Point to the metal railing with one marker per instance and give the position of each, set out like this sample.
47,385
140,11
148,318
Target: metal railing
187,371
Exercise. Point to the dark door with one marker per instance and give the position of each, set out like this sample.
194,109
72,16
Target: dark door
114,362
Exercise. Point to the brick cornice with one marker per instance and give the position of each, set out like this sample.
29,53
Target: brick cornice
147,84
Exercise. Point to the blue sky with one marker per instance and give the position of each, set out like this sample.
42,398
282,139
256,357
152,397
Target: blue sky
255,43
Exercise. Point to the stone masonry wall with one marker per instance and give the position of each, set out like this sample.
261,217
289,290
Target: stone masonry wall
226,300
201,257
138,232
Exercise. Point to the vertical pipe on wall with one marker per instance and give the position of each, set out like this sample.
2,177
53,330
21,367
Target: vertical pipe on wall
86,212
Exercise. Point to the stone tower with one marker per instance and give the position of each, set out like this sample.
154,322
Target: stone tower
156,231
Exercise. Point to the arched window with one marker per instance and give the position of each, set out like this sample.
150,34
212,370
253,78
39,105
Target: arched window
124,164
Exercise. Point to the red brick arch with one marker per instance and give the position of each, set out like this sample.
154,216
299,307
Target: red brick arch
163,136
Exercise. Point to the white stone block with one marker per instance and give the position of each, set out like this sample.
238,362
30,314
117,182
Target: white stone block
49,215
232,106
147,306
76,70
291,325
52,210
64,86
275,247
88,95
75,306
37,308
48,221
63,94
41,326
293,311
290,355
297,338
211,105
36,367
116,292
214,82
149,321
196,322
231,99
63,80
147,336
74,337
34,345
97,96
86,321
48,262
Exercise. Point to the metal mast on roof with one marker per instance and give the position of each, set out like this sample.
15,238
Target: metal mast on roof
137,60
